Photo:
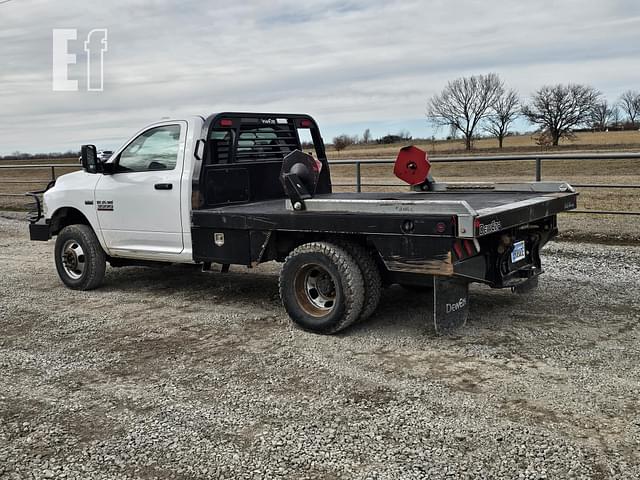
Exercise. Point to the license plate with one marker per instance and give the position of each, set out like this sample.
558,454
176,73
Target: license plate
518,253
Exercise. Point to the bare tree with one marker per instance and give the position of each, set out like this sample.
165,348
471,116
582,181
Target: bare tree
503,112
342,141
616,117
404,134
630,103
542,139
560,108
601,116
366,136
464,103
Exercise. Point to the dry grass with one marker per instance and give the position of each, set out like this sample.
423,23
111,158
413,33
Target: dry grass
628,140
16,182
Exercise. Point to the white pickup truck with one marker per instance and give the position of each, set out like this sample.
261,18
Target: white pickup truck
235,188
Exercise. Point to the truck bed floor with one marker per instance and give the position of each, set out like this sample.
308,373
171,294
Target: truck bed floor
477,199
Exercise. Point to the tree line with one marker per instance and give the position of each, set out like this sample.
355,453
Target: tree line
17,155
343,141
483,102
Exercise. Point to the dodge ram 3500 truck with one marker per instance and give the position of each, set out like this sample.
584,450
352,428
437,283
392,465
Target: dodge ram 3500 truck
236,188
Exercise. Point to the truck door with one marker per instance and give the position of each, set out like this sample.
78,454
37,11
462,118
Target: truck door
138,205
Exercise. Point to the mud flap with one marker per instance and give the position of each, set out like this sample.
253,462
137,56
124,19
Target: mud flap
450,304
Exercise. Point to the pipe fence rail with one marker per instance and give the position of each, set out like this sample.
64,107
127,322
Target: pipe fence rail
359,163
538,159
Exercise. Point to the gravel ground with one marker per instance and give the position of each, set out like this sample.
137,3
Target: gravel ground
171,373
607,229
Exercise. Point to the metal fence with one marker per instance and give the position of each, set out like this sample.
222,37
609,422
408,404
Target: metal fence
51,173
360,163
538,174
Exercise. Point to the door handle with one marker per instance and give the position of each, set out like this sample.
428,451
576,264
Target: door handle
163,186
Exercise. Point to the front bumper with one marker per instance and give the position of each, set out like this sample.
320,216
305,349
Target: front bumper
40,230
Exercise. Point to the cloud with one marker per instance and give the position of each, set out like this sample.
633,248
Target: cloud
350,64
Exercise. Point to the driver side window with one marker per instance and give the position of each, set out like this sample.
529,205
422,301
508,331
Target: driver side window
155,149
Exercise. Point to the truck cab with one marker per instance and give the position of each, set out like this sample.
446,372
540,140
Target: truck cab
141,208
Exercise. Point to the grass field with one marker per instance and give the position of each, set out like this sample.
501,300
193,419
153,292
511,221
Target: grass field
591,141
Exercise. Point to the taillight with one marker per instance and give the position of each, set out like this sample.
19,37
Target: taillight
465,249
305,123
469,247
226,122
458,250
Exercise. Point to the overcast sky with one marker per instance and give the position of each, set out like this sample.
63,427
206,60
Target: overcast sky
350,64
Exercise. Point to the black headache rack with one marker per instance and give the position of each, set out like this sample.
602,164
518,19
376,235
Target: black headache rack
242,156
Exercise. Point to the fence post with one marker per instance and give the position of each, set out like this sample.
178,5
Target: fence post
358,178
538,169
53,172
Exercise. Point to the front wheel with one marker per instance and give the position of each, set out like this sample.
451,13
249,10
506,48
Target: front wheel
322,287
80,260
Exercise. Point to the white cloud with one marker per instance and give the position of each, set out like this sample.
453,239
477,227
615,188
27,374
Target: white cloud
347,63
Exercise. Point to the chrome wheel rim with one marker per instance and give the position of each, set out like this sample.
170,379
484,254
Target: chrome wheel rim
315,290
73,259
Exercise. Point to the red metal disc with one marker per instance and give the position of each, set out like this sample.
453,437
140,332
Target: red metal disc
412,165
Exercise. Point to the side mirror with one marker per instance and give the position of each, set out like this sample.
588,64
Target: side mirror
89,159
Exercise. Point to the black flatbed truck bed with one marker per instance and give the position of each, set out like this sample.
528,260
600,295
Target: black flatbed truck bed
522,206
252,208
258,198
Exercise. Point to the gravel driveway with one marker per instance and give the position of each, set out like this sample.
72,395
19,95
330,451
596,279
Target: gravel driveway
172,373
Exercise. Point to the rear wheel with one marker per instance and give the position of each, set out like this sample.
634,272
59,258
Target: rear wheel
321,287
370,276
80,260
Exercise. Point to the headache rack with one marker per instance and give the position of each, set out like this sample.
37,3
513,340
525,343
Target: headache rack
253,141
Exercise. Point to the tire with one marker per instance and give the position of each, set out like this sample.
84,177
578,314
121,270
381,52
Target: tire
322,288
80,260
370,275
